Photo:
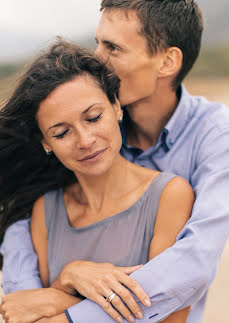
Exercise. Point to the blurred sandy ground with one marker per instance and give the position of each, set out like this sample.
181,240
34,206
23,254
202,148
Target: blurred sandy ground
217,307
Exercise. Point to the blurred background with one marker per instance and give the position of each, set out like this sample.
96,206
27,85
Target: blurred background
27,26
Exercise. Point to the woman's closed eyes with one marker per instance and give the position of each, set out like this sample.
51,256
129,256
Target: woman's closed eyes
63,133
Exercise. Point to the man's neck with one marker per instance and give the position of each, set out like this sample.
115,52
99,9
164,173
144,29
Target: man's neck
149,116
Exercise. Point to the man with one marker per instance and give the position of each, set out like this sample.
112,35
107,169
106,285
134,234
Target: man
152,45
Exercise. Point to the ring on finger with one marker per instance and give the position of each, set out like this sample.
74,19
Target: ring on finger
110,297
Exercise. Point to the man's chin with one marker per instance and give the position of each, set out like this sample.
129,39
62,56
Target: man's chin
126,100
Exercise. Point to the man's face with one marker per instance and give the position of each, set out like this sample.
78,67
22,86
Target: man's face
125,50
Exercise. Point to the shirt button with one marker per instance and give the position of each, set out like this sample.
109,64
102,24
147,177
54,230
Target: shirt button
170,142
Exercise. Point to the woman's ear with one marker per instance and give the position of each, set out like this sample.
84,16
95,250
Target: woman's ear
118,109
172,62
46,147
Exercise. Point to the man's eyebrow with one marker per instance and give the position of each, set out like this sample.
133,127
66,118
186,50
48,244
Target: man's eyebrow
59,124
107,42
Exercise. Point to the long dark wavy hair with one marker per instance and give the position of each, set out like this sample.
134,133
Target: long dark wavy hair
26,172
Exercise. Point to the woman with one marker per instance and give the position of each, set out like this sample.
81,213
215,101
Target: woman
60,143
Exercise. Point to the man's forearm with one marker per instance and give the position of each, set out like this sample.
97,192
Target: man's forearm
164,299
20,265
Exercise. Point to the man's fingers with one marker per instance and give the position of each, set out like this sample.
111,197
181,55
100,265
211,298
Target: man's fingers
134,286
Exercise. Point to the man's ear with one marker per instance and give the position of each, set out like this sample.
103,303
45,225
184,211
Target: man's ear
118,109
172,62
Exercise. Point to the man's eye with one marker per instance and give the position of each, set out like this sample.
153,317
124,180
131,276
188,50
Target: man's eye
112,47
95,119
61,135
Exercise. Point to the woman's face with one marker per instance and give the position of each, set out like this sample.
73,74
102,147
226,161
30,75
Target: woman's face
80,126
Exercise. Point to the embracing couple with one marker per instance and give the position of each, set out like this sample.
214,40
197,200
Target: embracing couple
109,213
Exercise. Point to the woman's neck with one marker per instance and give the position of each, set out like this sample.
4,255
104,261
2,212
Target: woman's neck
96,192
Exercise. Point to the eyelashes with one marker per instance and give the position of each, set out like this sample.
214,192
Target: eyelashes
95,119
62,134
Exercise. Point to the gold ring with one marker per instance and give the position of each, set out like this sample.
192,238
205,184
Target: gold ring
110,297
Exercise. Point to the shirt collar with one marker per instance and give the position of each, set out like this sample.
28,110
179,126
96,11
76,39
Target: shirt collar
179,119
174,126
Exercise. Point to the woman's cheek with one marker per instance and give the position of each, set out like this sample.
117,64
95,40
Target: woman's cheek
65,153
115,135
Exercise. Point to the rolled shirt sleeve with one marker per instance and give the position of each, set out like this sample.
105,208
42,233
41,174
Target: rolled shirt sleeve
20,266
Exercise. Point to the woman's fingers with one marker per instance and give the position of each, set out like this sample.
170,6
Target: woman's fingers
100,300
133,285
125,295
112,297
130,270
118,304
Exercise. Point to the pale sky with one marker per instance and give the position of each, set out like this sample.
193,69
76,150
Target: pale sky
25,25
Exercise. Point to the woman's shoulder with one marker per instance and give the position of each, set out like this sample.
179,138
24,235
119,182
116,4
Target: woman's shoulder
177,199
38,218
174,210
38,206
177,186
40,202
43,204
171,184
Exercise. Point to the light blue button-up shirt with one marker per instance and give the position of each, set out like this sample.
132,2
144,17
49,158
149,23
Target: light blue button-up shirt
195,145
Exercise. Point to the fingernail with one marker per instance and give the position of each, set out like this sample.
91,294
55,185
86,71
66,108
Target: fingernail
140,315
119,319
131,318
147,302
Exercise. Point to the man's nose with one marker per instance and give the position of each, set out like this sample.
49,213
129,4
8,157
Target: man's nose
100,53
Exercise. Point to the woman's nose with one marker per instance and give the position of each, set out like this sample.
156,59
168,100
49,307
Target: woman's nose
85,139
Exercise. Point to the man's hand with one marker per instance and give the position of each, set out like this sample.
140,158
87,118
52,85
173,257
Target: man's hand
97,281
28,306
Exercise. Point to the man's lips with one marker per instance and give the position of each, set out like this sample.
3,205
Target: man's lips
93,156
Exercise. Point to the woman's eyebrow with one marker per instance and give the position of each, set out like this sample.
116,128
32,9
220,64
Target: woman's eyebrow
56,125
62,123
85,111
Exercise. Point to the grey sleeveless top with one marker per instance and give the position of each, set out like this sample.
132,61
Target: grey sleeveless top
122,239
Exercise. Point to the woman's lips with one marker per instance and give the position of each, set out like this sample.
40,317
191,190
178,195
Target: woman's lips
93,157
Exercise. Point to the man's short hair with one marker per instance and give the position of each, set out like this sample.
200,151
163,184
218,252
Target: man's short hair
167,23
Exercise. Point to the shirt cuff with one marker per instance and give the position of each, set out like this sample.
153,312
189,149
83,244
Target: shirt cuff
87,311
68,316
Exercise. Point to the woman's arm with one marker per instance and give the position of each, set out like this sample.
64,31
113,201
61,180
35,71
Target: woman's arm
40,239
174,210
28,306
